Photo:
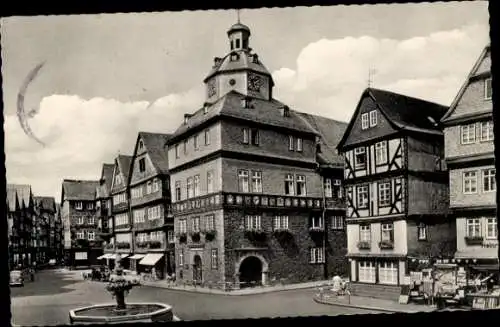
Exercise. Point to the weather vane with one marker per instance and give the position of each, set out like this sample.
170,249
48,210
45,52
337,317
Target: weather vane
371,72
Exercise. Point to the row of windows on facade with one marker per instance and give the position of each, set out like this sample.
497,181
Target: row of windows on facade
82,235
152,213
381,157
254,222
80,204
32,243
155,236
214,259
384,195
387,272
472,133
196,139
138,191
470,181
387,232
473,228
86,220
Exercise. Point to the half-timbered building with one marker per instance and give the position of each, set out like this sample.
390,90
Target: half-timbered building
396,189
247,195
103,204
469,148
153,222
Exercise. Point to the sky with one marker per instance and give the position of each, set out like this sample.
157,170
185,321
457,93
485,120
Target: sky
106,77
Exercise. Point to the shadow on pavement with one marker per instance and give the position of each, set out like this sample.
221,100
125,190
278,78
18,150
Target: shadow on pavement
46,283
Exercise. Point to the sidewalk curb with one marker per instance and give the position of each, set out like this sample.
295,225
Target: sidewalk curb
364,307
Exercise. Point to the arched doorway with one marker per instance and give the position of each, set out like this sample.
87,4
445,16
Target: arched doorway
250,272
197,267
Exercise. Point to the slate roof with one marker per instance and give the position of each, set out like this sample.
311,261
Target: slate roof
12,197
403,112
23,193
46,203
230,105
246,61
104,189
84,190
155,144
124,163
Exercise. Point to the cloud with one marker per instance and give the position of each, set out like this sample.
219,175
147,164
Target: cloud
82,134
331,74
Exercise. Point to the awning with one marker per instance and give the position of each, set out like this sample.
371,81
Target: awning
111,256
102,256
485,267
137,256
151,259
490,255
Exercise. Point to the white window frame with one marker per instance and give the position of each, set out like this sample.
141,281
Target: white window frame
81,220
384,194
90,206
156,185
289,181
253,222
387,232
290,143
178,191
195,224
181,258
196,185
373,118
78,205
170,236
491,228
280,223
299,144
177,154
80,235
327,185
91,236
196,143
489,179
317,255
486,130
149,187
364,189
185,146
367,272
210,222
246,136
210,181
422,232
189,187
365,121
301,185
317,222
214,259
388,273
469,179
207,137
91,220
365,233
381,153
359,151
243,181
468,133
337,222
182,226
78,255
256,181
488,83
473,227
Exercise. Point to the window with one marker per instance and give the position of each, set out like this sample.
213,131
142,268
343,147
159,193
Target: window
90,206
210,223
121,219
470,182
177,190
196,224
290,143
337,222
80,235
78,205
381,153
170,236
141,145
246,137
148,187
373,118
253,222
256,182
317,255
177,151
207,137
210,181
214,262
422,232
142,165
388,273
186,146
366,271
317,222
254,136
360,158
196,144
280,223
365,233
364,121
181,257
118,179
136,192
156,185
79,255
91,236
182,226
289,187
488,91
154,212
190,192
387,232
468,134
243,181
237,43
487,131
91,220
489,182
81,220
491,228
299,144
384,194
473,226
328,187
139,216
197,185
362,196
301,185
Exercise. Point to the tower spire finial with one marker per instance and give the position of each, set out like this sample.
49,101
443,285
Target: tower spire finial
238,14
371,72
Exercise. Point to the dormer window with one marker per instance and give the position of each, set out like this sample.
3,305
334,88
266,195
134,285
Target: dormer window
488,90
237,43
205,108
369,119
246,103
286,111
141,145
186,118
364,121
234,57
373,118
255,59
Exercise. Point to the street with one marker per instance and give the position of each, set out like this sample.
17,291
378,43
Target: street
48,300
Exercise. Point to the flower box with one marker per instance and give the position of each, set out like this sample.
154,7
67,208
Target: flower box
386,244
364,245
474,240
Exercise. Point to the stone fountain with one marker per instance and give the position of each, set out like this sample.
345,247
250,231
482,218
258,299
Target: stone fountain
121,312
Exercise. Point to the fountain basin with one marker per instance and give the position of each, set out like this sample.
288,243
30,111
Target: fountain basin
135,312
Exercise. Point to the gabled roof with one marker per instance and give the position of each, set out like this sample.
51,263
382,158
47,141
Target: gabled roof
402,112
268,112
24,194
330,133
84,190
12,198
122,162
104,188
463,88
155,144
47,203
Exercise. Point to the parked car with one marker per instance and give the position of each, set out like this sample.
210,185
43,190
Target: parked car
16,278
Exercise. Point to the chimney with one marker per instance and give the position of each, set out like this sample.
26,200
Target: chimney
186,118
255,59
285,110
246,102
217,61
205,107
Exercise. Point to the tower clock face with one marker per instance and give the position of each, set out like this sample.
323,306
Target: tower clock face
255,82
211,88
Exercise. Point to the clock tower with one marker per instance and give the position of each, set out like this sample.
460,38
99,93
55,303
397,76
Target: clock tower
239,70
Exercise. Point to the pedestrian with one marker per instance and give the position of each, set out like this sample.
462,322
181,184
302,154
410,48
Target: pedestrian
32,274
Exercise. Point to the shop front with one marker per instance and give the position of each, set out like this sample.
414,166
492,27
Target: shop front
153,263
134,262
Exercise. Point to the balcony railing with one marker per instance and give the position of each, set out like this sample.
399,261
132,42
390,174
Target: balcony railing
474,240
364,245
386,245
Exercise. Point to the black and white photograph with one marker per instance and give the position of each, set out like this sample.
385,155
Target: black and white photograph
249,163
